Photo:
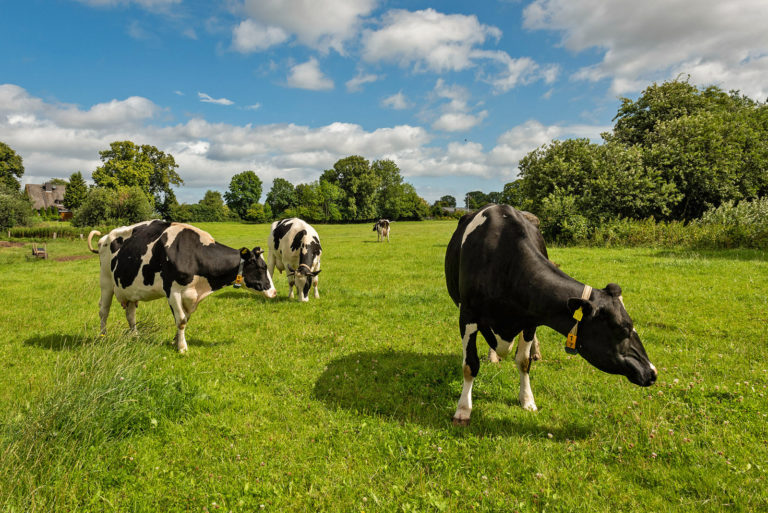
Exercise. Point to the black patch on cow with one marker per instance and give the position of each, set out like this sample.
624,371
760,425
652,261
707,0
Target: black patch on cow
297,239
307,286
127,262
115,245
280,230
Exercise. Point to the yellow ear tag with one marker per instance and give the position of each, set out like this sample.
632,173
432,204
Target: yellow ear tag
578,314
570,341
238,281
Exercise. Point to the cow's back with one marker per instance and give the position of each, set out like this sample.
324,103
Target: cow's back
490,253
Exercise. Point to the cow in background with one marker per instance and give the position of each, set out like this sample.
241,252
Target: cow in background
381,227
156,259
498,274
294,246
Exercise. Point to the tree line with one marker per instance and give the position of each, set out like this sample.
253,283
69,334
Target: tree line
675,153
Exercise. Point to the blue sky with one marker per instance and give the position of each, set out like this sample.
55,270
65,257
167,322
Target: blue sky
456,93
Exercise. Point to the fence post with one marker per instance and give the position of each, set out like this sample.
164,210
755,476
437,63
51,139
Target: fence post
54,235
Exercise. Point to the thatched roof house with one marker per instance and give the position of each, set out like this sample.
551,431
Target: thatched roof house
46,195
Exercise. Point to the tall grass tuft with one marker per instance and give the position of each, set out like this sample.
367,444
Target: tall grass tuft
109,390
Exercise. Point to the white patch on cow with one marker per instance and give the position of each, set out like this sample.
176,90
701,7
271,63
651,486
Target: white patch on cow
523,363
283,256
464,408
173,231
502,346
476,221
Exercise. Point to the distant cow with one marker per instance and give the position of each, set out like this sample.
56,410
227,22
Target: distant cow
294,246
498,274
381,227
177,261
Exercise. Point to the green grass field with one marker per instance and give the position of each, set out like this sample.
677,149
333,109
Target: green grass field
344,403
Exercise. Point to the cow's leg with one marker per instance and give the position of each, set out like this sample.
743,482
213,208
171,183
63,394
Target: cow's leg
471,365
523,360
130,315
271,263
291,284
105,302
181,318
535,353
499,348
314,284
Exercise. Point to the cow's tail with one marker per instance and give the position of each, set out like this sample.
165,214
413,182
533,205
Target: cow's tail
90,236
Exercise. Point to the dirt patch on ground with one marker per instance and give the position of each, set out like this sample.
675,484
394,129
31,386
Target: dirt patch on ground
6,244
72,257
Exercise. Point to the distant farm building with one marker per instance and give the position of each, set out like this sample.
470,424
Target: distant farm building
46,196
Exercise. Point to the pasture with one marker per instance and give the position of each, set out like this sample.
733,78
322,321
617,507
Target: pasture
344,403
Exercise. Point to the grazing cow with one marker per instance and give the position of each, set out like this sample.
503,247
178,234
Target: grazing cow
177,261
381,227
498,274
294,246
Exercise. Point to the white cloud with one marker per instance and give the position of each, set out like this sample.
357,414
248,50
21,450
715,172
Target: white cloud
151,5
251,36
456,114
397,101
426,39
725,43
219,101
57,139
320,24
355,84
458,121
308,76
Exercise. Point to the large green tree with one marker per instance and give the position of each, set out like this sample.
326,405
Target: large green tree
129,165
281,197
360,183
244,191
76,191
11,167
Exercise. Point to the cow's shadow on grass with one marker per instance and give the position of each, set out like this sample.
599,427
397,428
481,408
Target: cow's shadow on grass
246,296
59,341
423,389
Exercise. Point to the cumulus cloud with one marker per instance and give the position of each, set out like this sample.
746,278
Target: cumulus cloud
458,121
146,4
715,42
397,101
219,101
308,76
320,24
356,84
251,36
456,113
426,39
56,139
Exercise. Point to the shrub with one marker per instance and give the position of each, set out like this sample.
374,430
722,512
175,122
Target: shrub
15,210
126,205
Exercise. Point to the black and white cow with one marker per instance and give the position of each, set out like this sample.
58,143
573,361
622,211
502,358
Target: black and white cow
381,227
498,274
156,259
295,246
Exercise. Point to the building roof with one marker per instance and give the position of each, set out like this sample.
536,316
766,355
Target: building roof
46,195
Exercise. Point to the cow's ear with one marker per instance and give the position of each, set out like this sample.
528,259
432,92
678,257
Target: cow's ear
257,251
245,253
613,289
587,308
317,272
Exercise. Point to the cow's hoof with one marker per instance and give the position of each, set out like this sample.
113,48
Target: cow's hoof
530,407
460,422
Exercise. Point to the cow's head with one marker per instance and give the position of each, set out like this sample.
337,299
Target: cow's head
255,272
303,277
607,339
